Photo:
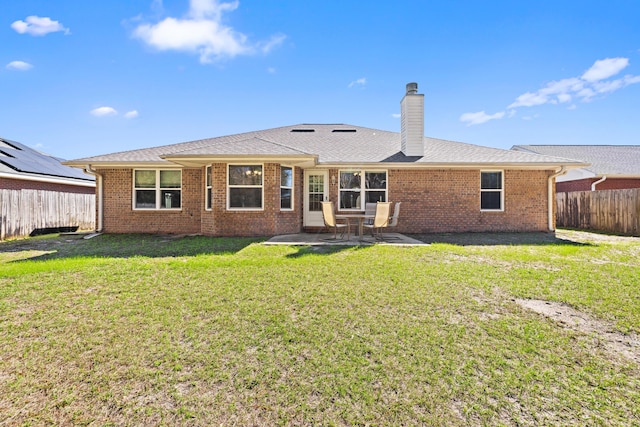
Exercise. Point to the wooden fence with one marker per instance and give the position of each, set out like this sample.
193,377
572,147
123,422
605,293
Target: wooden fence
23,211
614,211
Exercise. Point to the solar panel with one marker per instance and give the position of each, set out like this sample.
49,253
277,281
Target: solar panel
21,158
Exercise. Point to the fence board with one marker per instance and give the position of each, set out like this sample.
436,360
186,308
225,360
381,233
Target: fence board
23,211
614,211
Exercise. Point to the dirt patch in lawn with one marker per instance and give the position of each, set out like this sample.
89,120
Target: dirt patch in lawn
615,342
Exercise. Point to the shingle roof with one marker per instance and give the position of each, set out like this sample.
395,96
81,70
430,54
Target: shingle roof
331,143
604,159
20,160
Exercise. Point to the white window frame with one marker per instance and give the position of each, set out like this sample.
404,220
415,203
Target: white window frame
363,189
208,187
493,190
229,187
282,187
157,189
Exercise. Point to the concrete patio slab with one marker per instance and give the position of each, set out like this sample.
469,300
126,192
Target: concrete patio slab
319,239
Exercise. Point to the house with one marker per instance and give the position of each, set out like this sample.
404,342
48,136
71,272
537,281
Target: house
272,181
612,167
38,194
23,168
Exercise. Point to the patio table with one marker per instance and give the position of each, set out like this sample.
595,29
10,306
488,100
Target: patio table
360,217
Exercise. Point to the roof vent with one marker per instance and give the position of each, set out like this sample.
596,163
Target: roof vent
303,130
344,130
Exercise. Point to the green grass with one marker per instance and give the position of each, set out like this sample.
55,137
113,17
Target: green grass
145,330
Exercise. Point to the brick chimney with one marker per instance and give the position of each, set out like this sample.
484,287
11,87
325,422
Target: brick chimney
412,122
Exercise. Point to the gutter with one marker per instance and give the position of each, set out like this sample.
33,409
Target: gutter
550,192
593,184
88,169
62,181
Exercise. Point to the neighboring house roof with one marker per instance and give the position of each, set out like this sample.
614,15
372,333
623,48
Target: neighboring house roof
605,160
18,161
324,144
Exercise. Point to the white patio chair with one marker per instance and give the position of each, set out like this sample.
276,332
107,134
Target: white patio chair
329,215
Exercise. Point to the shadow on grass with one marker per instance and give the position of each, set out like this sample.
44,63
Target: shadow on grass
302,251
124,246
495,239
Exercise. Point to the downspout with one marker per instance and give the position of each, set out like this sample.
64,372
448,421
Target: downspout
550,192
88,169
593,184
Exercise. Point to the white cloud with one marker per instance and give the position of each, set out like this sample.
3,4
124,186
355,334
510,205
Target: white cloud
275,41
396,115
360,82
480,117
605,68
202,32
554,92
38,26
131,114
629,79
597,81
271,70
19,65
530,99
103,111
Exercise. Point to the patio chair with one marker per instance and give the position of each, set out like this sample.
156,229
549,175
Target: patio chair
381,220
329,215
393,221
369,209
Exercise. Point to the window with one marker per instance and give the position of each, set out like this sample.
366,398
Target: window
354,195
208,189
157,189
245,187
286,188
491,191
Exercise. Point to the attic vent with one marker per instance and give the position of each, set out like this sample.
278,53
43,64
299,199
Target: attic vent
344,130
303,130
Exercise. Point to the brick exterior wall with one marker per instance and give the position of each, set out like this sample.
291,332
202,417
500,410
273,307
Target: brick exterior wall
432,201
23,184
266,222
120,217
436,201
449,201
609,184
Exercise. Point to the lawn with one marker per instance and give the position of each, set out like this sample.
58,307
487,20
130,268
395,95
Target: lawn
152,330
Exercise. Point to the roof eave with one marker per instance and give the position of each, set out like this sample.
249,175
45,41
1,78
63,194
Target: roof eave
206,159
467,165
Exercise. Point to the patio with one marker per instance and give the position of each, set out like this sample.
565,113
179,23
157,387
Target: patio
319,239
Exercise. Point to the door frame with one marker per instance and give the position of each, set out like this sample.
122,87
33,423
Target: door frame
314,218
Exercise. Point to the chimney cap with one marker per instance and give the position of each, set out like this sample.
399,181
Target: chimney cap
412,88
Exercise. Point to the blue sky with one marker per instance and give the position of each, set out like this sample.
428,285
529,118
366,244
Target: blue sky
81,78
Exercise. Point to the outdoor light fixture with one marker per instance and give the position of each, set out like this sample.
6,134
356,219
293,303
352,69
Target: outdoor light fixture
333,180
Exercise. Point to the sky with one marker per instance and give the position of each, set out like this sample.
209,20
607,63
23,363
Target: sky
84,78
